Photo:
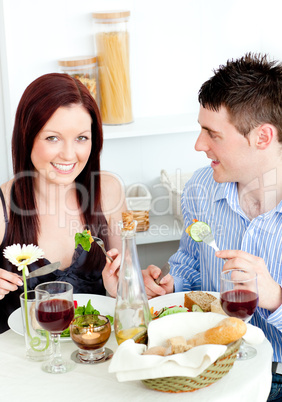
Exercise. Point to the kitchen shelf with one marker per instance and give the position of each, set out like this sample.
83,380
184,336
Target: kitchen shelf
163,228
157,125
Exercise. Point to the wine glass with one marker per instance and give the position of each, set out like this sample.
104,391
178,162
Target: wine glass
54,310
239,298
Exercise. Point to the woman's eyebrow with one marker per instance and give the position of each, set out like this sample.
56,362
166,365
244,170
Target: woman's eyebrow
46,130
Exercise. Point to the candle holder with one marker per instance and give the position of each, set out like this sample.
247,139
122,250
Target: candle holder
90,333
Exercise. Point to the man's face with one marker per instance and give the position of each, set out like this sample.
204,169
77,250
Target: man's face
232,155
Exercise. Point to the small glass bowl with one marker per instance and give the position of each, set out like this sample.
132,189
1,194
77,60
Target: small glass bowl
90,333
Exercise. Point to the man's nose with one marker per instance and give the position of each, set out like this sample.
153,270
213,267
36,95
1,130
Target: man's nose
201,144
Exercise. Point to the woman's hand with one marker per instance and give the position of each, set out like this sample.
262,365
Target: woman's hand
9,282
110,272
152,289
270,292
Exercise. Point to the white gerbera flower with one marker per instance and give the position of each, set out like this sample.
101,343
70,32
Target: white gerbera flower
21,256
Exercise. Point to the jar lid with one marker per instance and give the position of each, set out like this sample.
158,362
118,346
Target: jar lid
77,61
110,15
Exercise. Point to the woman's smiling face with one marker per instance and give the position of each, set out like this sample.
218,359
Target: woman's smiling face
63,146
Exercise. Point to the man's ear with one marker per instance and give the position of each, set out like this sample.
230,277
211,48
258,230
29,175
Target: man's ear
265,135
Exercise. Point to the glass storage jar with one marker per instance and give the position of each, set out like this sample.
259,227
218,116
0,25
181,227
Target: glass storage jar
111,40
83,68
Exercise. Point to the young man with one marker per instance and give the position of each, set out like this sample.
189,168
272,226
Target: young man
239,195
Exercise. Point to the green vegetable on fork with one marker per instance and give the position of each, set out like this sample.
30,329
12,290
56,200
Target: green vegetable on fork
85,239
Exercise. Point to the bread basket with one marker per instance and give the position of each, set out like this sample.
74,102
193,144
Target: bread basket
213,373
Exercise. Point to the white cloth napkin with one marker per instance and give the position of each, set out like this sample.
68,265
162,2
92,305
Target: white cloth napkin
254,335
129,364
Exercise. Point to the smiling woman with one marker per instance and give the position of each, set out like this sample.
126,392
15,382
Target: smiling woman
63,146
58,189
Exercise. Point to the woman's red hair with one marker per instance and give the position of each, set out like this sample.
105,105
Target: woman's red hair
38,103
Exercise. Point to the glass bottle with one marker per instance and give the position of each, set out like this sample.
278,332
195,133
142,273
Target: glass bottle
132,313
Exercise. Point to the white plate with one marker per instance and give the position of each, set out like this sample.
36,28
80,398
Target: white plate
172,299
104,304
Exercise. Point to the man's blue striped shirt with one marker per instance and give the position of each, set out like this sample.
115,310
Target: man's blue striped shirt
195,266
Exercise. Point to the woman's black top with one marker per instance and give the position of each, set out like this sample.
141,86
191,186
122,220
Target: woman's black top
83,280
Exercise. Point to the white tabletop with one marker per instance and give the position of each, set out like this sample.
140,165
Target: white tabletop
23,380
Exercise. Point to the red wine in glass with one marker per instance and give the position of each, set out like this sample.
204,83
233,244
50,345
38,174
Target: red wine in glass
54,310
239,298
55,315
240,303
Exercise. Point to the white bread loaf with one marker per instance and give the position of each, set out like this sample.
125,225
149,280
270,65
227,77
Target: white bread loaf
177,344
228,330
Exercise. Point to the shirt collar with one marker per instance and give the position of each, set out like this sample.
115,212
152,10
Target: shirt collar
229,192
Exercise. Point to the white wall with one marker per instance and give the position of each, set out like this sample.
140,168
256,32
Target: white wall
174,47
5,115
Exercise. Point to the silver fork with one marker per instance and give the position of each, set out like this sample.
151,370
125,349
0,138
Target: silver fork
102,245
207,237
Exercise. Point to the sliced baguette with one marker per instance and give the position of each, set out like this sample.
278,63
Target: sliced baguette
216,307
228,330
177,344
201,299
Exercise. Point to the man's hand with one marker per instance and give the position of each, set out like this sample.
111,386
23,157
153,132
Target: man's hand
152,289
270,292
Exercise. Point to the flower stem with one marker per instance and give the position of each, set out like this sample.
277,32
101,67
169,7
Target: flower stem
34,341
25,304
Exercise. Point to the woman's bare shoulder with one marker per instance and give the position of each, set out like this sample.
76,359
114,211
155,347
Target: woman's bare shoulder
110,178
112,193
113,204
111,184
6,189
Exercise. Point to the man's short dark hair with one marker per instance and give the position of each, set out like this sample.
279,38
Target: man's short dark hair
250,88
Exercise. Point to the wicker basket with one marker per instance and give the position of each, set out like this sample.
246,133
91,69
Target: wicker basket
138,200
213,373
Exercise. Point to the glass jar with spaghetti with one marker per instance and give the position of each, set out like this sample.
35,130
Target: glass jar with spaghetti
83,68
111,39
